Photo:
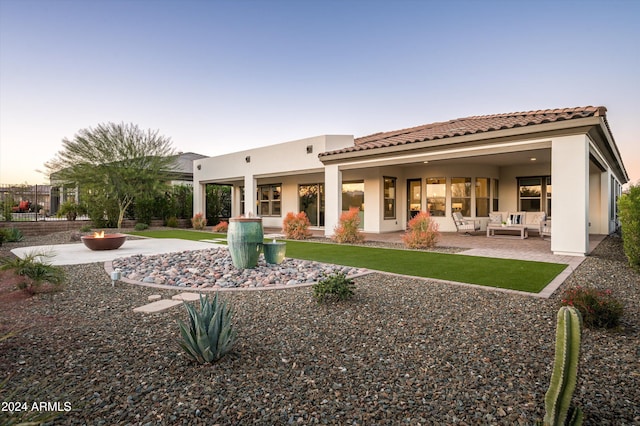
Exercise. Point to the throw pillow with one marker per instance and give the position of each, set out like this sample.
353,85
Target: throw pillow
495,218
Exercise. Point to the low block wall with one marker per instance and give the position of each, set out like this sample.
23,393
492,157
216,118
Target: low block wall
49,227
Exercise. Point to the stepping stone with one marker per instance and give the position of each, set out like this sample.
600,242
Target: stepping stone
158,306
154,297
187,297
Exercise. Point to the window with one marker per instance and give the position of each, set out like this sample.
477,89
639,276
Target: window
496,195
269,200
530,191
461,195
482,197
534,194
353,196
436,196
242,200
547,190
311,201
389,198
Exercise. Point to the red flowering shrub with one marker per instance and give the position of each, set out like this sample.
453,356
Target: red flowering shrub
422,232
599,308
296,226
199,221
347,230
223,226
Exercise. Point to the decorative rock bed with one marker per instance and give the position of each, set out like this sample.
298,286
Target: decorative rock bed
213,268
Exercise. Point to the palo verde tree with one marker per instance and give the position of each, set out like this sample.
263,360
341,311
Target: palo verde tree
115,162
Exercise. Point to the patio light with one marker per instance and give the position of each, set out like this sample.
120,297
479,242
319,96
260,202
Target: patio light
115,276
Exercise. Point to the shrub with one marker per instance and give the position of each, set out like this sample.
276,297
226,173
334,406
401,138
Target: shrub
1,236
199,221
221,227
172,222
599,308
13,235
422,232
347,230
140,226
629,214
7,208
209,334
70,210
32,267
336,287
295,226
85,228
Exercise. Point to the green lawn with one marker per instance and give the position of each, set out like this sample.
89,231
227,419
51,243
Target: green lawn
504,273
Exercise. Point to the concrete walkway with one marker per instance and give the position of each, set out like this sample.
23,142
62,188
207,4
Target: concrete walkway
77,253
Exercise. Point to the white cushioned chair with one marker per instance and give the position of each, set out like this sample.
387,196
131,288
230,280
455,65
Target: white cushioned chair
465,226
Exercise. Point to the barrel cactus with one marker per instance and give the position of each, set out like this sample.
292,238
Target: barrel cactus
209,334
563,379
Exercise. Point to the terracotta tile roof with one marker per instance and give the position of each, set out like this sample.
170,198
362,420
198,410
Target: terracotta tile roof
468,126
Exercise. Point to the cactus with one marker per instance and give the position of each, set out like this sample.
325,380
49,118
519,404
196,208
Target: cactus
209,335
563,380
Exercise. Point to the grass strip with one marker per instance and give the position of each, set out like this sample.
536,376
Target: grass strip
512,274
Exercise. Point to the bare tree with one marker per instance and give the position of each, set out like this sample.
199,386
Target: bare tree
117,161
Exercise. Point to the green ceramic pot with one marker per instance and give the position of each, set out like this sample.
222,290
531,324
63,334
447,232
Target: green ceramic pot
274,252
244,239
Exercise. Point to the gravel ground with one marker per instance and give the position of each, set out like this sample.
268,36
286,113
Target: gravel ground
402,351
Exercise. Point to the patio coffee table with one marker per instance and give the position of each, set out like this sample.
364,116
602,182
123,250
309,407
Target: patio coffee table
492,228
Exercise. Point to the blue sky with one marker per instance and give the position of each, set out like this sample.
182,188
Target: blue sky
221,76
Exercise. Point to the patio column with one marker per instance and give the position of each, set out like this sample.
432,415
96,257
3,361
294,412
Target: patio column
236,201
199,198
250,186
570,199
332,198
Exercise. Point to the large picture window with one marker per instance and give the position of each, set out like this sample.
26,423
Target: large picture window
389,198
482,197
436,196
534,194
269,200
353,196
461,195
495,195
311,199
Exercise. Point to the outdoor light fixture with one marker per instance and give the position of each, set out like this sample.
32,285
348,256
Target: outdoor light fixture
115,276
533,159
247,159
199,167
309,149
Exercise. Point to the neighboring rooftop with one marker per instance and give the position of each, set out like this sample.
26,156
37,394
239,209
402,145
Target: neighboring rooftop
469,125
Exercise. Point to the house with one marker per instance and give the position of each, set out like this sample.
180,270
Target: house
563,162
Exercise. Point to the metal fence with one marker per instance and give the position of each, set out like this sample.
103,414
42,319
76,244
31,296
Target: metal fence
28,203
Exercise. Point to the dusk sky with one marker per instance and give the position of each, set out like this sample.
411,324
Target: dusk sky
222,76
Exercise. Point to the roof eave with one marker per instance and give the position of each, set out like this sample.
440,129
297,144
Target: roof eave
576,125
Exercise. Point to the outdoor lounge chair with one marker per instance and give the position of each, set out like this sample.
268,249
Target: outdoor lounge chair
465,226
545,228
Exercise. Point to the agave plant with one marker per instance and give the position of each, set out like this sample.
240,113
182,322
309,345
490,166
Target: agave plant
209,334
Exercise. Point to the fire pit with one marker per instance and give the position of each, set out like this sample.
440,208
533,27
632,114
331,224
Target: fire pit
102,241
